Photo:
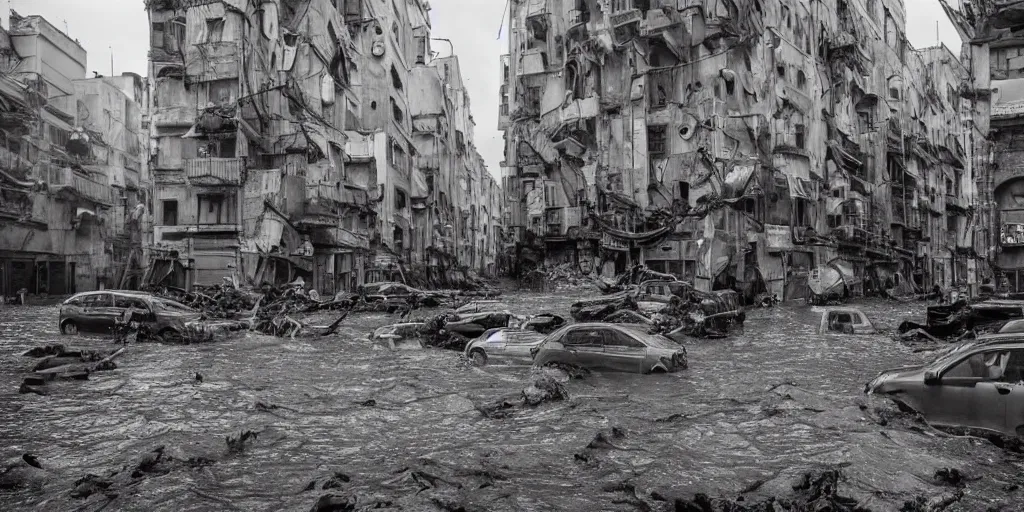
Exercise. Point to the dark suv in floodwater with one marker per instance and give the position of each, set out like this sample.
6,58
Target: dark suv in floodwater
977,384
100,311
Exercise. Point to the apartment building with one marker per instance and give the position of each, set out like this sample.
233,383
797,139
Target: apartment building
737,144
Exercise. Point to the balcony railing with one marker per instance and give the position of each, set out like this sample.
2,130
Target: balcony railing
65,178
225,170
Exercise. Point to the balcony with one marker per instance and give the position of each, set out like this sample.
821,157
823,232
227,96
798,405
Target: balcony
64,181
214,171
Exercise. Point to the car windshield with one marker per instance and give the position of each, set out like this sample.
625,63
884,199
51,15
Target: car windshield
170,305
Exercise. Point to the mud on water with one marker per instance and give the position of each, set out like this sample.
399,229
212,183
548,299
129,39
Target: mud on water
402,431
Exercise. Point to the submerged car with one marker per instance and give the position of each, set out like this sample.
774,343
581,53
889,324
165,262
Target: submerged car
845,321
407,333
615,347
504,344
977,384
100,311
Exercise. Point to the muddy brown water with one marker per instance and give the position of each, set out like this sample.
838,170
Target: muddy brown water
715,428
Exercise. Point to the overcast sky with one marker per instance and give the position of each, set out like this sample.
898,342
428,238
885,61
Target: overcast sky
121,27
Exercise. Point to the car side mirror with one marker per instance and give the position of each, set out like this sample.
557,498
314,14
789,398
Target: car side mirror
931,378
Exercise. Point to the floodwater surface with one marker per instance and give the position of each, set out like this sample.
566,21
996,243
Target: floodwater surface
762,406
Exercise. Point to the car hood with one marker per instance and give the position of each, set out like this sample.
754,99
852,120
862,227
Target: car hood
663,344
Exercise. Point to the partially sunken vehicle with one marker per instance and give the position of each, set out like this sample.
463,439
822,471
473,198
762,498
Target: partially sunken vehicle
614,347
504,345
977,384
101,311
845,321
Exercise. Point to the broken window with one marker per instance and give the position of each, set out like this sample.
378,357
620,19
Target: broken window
537,29
170,212
781,71
656,140
660,55
214,30
221,92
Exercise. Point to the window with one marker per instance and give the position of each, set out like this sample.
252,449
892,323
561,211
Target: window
170,209
124,301
801,79
99,300
156,35
396,111
396,81
618,339
212,209
798,136
656,140
214,30
583,337
801,213
981,366
175,37
781,71
894,93
400,200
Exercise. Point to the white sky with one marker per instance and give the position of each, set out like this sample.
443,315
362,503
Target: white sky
121,27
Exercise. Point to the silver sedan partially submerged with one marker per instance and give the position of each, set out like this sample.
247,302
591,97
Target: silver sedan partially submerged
508,345
614,347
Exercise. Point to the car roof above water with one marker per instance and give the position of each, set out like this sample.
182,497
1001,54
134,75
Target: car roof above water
130,293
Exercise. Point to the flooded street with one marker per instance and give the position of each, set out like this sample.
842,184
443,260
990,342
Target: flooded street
765,405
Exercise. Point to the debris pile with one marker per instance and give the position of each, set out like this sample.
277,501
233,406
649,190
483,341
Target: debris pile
961,319
813,491
687,311
544,388
636,275
453,330
57,362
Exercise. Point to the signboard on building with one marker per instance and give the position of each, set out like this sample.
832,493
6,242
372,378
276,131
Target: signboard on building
778,238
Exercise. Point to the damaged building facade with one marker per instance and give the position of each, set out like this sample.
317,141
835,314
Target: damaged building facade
993,53
737,144
306,138
71,166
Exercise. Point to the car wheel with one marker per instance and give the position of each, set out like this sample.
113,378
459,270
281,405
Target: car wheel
69,327
169,335
479,357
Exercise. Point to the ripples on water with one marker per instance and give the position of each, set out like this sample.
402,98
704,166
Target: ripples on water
715,428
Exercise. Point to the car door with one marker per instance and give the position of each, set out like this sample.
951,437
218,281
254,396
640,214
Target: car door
105,313
91,319
1012,385
622,352
967,394
517,344
584,347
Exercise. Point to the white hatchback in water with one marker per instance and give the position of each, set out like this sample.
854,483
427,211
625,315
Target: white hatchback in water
504,344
